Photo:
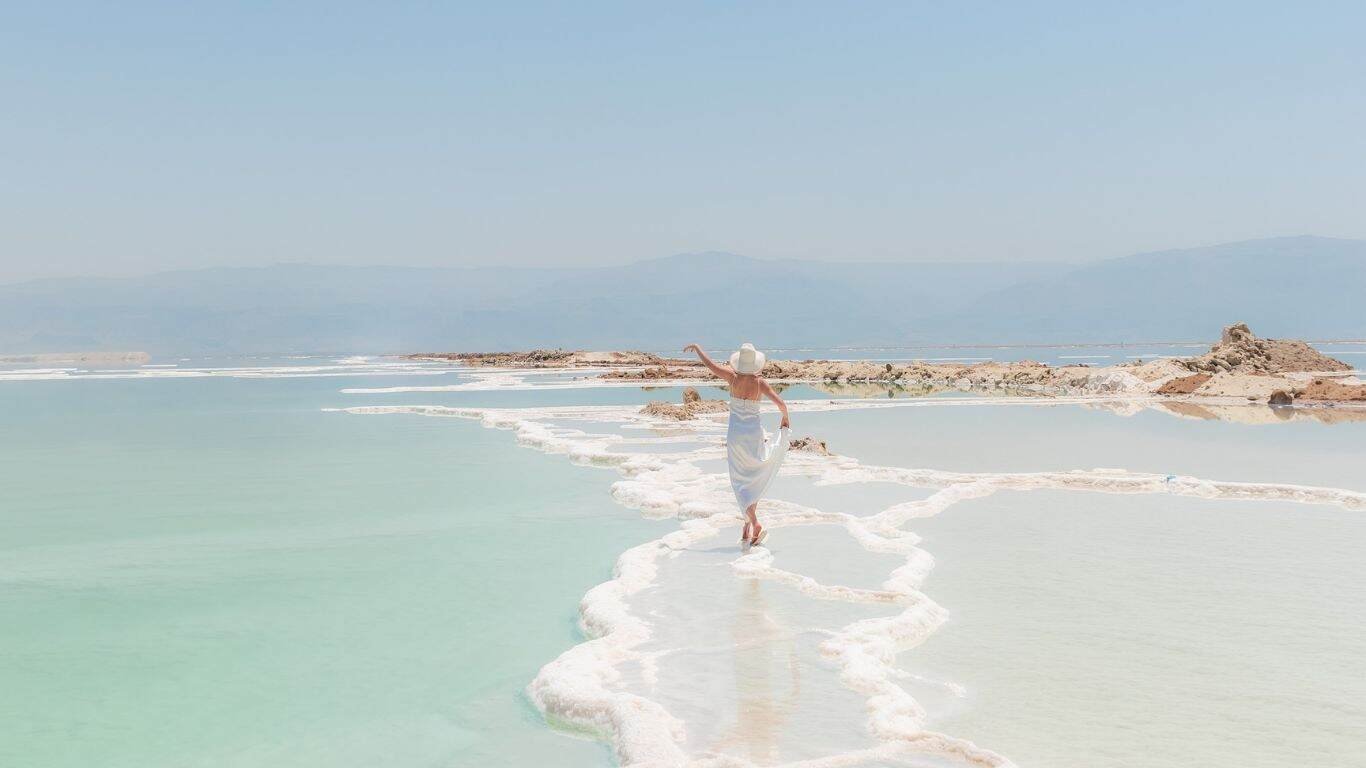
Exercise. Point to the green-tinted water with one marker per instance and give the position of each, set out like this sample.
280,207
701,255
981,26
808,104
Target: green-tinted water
216,572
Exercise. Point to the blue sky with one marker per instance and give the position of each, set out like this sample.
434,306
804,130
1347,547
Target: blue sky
141,136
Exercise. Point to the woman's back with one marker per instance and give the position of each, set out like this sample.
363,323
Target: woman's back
746,387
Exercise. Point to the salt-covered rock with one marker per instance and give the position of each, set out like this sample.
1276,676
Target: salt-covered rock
808,444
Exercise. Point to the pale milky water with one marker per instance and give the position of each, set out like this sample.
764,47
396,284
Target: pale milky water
222,570
1105,630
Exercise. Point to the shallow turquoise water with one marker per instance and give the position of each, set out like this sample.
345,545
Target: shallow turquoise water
216,572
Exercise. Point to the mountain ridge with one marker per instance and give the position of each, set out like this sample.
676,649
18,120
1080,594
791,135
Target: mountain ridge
1297,286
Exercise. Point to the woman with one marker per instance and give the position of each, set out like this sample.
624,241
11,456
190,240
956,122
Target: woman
753,459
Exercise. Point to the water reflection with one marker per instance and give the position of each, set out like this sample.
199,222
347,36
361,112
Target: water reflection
767,678
1261,414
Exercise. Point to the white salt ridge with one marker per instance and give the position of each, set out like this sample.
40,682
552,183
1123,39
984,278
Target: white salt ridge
580,688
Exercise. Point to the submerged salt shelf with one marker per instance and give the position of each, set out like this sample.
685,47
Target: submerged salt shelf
1231,628
817,648
1047,437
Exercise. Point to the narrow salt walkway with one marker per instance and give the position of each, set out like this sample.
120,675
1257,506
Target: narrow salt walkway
738,659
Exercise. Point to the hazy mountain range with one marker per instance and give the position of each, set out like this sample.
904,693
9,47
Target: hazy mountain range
1293,287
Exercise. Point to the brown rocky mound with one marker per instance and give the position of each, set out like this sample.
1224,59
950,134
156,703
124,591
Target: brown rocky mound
693,404
1184,385
1280,397
1240,351
1327,389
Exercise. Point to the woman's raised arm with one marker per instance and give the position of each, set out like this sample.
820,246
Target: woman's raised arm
722,371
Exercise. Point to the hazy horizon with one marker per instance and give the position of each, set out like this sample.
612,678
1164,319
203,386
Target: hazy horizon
689,254
662,303
152,137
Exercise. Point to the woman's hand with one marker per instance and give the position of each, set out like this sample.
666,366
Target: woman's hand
693,348
786,423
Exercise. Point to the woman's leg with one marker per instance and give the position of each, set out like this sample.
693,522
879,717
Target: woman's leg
753,527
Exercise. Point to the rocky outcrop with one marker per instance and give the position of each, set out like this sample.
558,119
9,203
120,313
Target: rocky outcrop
548,358
1280,397
1240,351
1330,390
1247,386
536,358
1184,385
809,445
660,372
692,406
1024,377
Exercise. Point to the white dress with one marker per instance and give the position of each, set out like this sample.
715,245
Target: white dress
754,458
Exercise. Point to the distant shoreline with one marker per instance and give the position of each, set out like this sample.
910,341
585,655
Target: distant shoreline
103,358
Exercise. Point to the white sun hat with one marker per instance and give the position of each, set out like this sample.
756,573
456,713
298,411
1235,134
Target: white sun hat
748,360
